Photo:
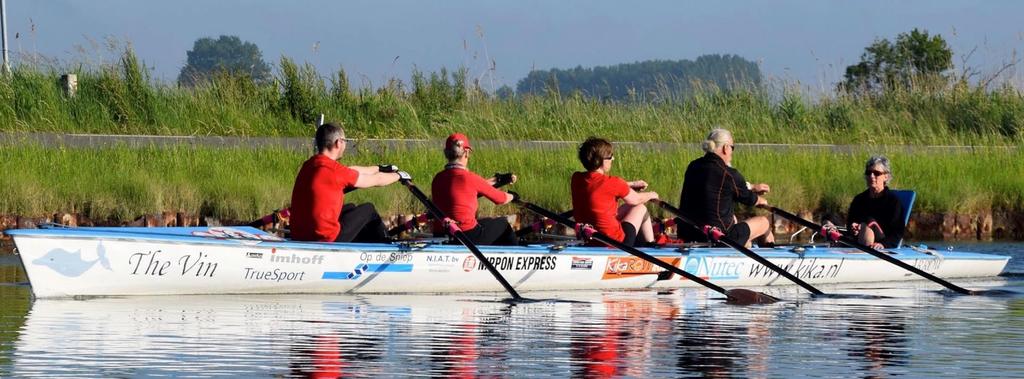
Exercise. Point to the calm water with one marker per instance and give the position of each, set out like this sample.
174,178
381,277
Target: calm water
917,331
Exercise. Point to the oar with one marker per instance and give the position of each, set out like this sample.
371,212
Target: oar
836,236
454,230
716,235
736,296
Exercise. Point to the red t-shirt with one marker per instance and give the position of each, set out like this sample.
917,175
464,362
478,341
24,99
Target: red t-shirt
455,191
595,201
317,197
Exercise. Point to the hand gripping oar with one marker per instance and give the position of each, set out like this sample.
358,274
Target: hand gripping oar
735,296
453,229
716,235
836,236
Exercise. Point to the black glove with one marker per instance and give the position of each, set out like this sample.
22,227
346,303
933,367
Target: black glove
515,196
387,168
502,179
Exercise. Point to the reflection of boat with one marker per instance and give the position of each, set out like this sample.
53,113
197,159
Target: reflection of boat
164,261
635,333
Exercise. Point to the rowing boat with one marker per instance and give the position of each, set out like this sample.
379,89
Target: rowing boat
102,261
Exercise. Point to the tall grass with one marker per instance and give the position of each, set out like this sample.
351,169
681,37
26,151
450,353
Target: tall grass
124,183
120,98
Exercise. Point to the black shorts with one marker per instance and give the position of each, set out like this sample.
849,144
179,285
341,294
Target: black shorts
739,233
630,234
361,223
493,231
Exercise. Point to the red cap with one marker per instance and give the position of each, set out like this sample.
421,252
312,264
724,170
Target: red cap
457,139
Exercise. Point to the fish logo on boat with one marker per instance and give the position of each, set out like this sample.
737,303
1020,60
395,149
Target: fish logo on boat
71,264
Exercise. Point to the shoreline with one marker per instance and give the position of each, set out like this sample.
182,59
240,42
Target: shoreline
924,226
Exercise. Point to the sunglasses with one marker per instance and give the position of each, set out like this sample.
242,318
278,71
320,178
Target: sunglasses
610,158
874,172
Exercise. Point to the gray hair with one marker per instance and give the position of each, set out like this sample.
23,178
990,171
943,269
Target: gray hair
327,133
716,139
454,153
879,160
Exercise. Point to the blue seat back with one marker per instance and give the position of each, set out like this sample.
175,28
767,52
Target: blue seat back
907,198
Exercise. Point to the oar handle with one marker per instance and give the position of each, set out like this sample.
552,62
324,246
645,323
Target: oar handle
850,241
454,230
593,233
717,235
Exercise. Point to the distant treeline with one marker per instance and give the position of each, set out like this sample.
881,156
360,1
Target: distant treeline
653,80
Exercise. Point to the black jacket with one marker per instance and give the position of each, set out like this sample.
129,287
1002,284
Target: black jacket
886,210
711,190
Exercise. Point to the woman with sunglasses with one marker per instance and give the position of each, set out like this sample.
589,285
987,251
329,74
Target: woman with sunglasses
874,215
711,189
596,195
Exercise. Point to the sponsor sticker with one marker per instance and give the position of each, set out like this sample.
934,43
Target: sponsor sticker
366,268
469,263
304,259
231,233
582,263
518,263
442,262
628,267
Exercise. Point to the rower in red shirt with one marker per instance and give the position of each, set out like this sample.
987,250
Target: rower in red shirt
317,213
455,191
596,195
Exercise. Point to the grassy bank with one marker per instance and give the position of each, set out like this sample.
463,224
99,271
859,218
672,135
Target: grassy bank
240,184
120,99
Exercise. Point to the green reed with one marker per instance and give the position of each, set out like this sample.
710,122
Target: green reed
122,183
120,98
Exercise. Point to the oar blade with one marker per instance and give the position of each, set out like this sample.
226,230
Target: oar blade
993,293
740,296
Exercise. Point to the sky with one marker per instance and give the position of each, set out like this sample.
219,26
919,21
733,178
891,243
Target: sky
807,43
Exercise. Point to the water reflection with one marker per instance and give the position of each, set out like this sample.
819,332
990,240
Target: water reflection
708,347
14,305
878,338
682,333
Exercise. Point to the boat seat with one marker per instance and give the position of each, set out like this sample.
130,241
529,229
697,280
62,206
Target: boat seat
907,198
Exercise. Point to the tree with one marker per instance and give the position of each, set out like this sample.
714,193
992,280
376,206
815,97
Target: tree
227,54
653,80
914,56
505,92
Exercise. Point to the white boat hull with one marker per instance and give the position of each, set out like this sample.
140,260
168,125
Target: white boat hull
181,261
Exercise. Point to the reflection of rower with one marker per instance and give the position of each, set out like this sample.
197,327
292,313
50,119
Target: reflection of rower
629,322
707,346
456,354
321,358
329,355
883,338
